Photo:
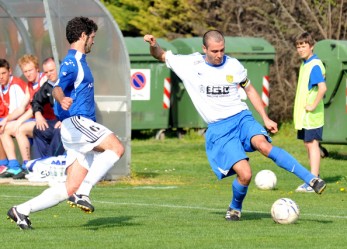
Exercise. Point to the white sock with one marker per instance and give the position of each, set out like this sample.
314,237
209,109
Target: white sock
48,198
102,164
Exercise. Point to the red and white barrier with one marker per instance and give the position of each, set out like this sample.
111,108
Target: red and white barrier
265,92
167,93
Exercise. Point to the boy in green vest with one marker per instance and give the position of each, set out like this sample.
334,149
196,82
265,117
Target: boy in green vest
309,106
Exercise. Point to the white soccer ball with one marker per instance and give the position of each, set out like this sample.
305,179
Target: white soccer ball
265,179
285,211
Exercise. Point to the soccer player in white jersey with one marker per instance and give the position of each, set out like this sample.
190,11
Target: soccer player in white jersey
92,149
211,81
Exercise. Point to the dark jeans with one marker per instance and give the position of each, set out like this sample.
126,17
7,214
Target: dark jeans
47,143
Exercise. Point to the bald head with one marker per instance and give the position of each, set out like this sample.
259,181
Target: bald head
214,35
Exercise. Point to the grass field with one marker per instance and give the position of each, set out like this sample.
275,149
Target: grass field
173,200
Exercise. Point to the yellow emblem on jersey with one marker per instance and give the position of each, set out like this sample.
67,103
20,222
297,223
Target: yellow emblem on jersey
230,78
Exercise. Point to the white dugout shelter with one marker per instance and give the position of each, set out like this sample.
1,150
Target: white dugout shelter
38,27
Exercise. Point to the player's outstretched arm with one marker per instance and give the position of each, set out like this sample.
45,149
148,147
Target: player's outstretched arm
258,105
156,51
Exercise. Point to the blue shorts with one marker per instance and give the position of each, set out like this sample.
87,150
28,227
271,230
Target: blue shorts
228,140
311,134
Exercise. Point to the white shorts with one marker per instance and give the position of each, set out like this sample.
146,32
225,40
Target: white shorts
79,136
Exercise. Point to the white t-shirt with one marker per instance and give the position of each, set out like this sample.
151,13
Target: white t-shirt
212,89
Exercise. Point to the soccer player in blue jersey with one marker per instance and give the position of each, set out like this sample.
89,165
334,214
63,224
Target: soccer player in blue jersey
92,149
212,81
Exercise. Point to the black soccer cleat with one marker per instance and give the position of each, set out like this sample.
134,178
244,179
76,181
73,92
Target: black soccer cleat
318,185
22,220
81,201
232,215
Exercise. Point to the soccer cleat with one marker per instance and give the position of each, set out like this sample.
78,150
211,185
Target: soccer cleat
304,188
11,172
81,201
232,215
20,175
318,185
22,220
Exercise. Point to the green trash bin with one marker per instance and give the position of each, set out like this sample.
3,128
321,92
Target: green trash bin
150,86
256,55
333,54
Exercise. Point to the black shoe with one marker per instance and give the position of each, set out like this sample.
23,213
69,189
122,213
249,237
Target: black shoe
11,172
81,201
22,220
318,185
232,215
20,175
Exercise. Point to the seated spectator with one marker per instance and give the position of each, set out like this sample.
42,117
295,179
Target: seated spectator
12,93
46,139
20,123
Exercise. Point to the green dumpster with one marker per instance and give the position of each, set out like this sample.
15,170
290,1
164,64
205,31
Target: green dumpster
256,55
150,86
333,54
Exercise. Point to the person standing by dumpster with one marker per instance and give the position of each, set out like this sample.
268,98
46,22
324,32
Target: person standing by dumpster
211,81
308,105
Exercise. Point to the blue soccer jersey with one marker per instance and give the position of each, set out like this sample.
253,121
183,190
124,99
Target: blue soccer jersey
77,82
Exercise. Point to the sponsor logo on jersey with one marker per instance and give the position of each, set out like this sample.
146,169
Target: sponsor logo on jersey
218,90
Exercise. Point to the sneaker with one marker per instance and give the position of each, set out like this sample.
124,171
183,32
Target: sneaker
81,201
10,173
20,175
304,188
232,215
3,169
22,220
318,185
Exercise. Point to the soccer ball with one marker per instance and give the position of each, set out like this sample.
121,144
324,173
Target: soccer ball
285,211
265,179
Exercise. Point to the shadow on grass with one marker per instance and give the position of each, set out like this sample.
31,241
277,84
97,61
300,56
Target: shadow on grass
318,221
337,156
145,175
109,222
334,179
248,215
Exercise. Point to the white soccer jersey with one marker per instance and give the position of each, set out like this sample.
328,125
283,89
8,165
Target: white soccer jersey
213,89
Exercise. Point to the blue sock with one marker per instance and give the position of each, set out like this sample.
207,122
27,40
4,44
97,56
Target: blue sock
286,161
239,193
24,167
13,164
4,162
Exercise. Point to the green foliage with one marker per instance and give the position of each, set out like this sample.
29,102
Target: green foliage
174,201
170,18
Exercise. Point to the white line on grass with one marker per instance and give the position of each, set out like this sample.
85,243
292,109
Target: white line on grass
191,207
209,209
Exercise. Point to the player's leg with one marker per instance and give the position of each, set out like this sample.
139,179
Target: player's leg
89,136
3,159
103,162
286,161
112,151
13,167
23,134
227,157
310,138
50,197
314,156
239,189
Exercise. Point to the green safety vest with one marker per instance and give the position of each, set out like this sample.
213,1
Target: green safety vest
303,97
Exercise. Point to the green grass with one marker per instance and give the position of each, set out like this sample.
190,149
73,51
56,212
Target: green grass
173,200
